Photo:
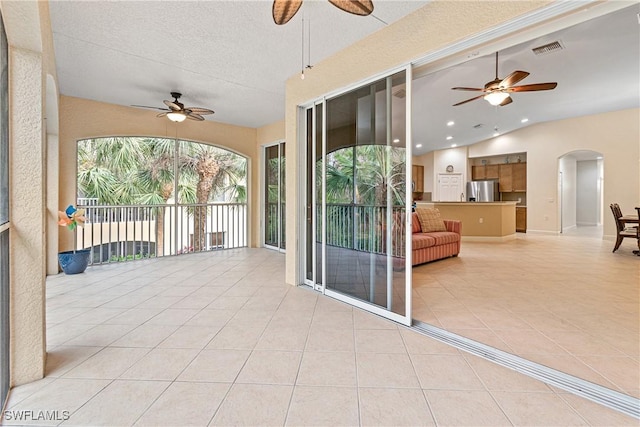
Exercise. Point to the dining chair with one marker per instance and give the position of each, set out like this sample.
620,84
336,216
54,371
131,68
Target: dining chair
637,252
622,231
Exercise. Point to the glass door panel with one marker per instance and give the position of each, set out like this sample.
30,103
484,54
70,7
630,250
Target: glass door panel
274,196
366,195
357,197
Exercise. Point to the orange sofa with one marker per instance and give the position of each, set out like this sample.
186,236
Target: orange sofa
434,245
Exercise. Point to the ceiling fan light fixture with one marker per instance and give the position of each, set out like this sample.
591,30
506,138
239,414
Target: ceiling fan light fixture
177,116
496,98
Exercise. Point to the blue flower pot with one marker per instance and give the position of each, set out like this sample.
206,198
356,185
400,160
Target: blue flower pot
74,262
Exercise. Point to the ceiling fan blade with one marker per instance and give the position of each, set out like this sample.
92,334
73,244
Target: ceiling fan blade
284,10
173,105
194,116
468,100
506,101
356,7
513,78
532,87
163,114
153,108
467,88
201,111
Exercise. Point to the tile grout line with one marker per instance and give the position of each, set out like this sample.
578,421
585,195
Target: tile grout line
594,392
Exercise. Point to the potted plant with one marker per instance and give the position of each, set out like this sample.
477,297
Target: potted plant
75,261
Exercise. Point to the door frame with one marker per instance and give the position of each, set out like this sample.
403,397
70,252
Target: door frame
264,197
405,319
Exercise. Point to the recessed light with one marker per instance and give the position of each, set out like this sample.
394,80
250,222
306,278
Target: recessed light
454,145
451,123
449,138
525,120
395,141
418,145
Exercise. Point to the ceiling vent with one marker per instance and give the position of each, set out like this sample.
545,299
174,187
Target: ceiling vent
401,93
548,48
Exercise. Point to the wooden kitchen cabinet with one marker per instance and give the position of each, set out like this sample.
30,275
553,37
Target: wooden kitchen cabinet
478,173
492,172
519,177
417,172
521,219
506,178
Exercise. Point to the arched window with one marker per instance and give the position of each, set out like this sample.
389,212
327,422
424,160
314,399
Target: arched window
147,197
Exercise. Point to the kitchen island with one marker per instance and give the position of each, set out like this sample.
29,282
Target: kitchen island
481,221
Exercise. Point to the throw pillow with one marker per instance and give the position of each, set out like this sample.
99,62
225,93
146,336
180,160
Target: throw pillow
430,220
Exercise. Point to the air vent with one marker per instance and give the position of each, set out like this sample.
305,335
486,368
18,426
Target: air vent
478,126
548,48
401,93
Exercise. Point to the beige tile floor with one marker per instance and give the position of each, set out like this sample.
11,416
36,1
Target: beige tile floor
566,302
219,339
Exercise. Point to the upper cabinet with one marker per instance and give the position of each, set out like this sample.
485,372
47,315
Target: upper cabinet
479,173
519,177
512,177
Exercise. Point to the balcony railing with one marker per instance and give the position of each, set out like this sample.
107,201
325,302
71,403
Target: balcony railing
127,232
363,228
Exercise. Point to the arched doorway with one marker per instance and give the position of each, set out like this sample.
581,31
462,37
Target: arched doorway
580,196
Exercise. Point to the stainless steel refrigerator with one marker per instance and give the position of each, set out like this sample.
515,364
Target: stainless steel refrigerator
483,191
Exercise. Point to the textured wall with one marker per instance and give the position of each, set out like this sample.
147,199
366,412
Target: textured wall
27,219
436,25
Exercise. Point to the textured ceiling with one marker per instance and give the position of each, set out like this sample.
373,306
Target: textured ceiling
225,55
229,56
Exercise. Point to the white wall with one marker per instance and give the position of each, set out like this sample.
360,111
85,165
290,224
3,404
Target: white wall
587,205
614,134
567,183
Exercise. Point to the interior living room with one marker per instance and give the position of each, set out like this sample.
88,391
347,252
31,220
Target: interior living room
229,318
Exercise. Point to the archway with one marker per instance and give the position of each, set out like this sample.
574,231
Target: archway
580,195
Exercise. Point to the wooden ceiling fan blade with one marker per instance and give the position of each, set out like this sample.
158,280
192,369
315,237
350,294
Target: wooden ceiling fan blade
513,78
468,100
284,10
163,114
199,110
468,88
506,101
356,7
194,116
172,105
532,87
152,108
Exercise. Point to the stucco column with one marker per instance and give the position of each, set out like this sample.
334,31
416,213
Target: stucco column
26,174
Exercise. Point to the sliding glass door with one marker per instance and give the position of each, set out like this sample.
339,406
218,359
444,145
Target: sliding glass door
4,218
357,196
274,196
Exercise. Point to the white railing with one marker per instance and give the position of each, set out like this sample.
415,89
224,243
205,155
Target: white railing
127,232
363,228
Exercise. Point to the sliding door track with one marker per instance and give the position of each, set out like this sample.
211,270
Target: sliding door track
610,398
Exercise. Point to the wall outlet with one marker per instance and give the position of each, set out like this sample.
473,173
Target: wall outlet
481,220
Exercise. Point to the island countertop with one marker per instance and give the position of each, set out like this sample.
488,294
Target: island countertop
513,202
481,221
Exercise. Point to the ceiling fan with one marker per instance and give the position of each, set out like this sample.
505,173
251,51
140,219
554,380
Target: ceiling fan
284,10
496,92
177,112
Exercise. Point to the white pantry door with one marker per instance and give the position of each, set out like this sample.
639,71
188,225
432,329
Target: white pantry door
450,187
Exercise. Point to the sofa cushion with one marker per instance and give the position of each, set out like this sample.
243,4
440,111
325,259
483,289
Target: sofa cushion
430,220
421,241
415,223
444,237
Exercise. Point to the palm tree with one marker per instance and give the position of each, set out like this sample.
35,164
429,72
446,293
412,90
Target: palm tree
218,174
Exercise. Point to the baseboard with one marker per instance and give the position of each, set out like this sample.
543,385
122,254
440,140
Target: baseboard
542,232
